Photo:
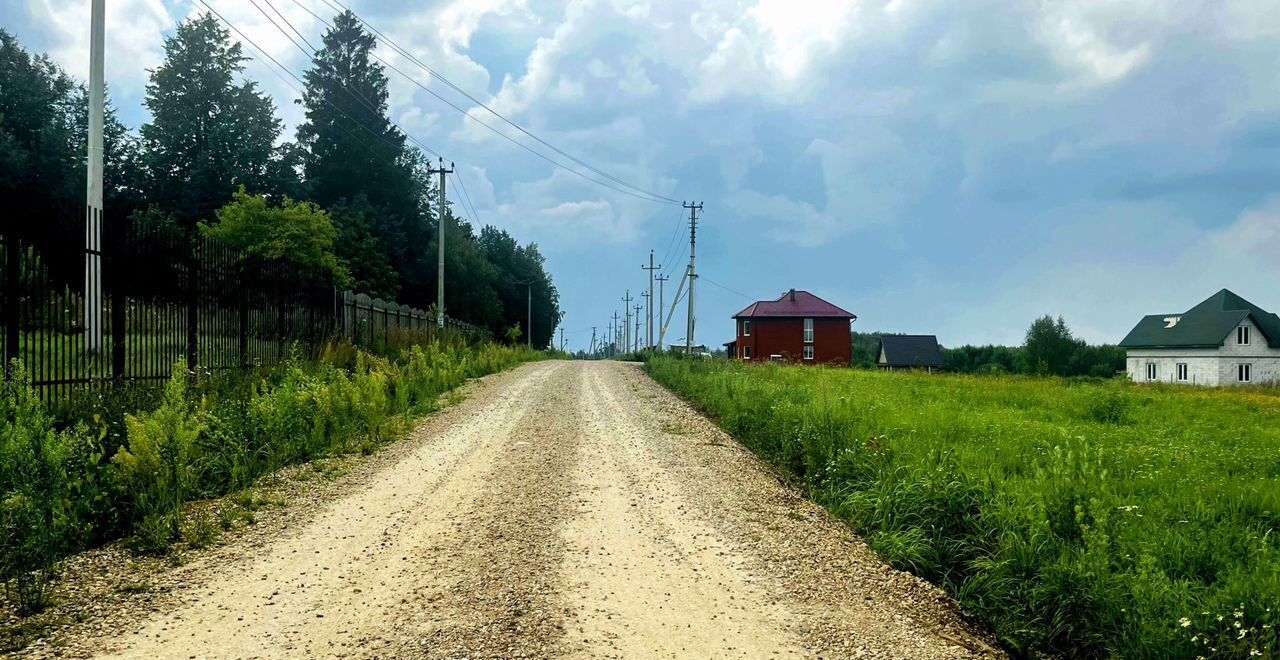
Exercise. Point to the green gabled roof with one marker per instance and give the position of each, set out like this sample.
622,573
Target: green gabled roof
1206,325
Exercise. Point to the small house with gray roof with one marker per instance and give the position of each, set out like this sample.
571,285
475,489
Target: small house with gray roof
909,352
1225,340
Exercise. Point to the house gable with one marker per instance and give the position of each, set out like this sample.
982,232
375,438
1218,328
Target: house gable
1207,325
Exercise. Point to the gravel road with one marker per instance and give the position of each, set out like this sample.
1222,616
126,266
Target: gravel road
564,509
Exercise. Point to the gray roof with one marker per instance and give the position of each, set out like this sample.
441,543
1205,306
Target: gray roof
911,351
1206,325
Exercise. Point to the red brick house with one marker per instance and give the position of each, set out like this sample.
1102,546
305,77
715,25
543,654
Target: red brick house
798,327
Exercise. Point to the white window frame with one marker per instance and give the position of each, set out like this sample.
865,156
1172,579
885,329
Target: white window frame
1244,372
808,331
746,352
1183,371
746,327
808,351
1152,372
1242,335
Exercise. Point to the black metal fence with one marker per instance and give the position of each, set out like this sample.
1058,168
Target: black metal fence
169,297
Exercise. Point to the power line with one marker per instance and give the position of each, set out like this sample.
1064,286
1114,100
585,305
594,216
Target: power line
644,195
733,291
467,198
298,90
295,30
495,113
674,234
354,93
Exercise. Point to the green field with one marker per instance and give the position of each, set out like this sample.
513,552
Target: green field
1082,518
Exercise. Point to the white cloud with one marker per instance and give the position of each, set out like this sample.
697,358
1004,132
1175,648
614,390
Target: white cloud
134,31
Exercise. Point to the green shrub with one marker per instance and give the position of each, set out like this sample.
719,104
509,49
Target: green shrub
36,525
1110,406
59,492
157,465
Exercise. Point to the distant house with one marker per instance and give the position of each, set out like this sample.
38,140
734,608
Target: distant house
1225,340
898,352
797,327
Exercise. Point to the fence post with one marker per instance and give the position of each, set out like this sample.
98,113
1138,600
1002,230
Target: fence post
11,283
193,306
242,304
115,292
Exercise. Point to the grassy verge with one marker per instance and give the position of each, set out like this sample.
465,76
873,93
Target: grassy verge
68,486
1078,518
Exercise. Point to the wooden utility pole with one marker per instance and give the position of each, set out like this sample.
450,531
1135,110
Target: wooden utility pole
649,300
440,243
693,272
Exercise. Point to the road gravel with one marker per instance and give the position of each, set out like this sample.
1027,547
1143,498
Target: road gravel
562,510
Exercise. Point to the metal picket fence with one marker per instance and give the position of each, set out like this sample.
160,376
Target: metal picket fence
169,298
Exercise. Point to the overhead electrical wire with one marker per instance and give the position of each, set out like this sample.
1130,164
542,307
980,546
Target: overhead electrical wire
715,283
298,90
634,191
354,93
437,75
671,244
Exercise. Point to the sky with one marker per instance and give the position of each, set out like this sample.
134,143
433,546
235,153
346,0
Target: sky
948,168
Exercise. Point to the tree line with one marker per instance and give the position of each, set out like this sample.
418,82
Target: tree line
348,194
1049,349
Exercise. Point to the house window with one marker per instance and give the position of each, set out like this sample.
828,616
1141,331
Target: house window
808,352
1151,371
746,352
746,328
808,331
1242,335
1244,372
1182,372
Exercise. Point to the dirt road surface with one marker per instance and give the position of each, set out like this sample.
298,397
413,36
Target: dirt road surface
564,509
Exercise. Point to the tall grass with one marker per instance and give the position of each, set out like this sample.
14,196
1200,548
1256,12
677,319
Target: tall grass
62,489
1081,518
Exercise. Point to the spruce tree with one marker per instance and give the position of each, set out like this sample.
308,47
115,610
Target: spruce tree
353,150
209,133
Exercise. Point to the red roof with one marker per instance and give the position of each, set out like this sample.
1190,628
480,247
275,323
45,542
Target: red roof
804,304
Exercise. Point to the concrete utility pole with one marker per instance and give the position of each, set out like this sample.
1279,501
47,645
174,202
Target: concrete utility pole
626,326
693,272
662,303
440,244
593,340
648,307
637,335
649,302
93,201
561,340
613,337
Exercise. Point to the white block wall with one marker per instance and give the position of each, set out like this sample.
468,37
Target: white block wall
1210,367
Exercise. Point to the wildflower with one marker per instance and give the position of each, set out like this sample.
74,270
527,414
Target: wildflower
1185,623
